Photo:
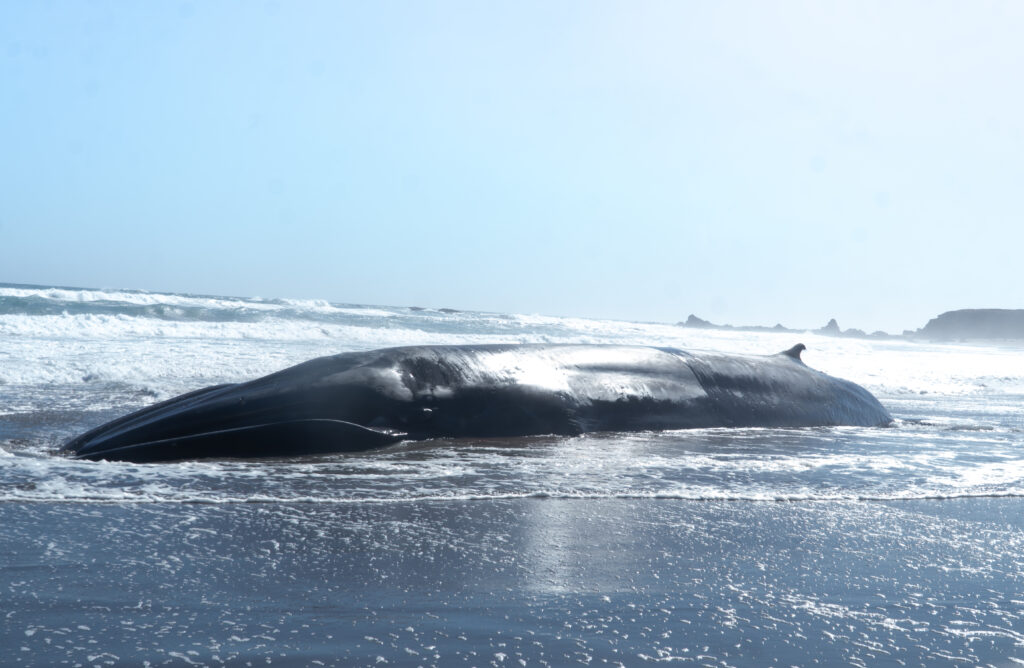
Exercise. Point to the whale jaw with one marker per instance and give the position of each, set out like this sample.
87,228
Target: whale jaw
297,437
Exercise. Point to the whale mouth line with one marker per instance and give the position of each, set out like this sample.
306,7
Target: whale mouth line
306,437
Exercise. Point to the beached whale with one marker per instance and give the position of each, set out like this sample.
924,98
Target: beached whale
364,400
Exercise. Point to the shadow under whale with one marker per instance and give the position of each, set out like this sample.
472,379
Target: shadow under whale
364,400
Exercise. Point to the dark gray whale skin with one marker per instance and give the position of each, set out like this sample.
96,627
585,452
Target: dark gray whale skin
364,400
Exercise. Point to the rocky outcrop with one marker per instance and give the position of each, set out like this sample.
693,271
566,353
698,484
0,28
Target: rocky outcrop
831,329
694,321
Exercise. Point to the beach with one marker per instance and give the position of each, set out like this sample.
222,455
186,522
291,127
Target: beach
855,546
516,582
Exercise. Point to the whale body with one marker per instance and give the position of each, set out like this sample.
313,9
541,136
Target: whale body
364,400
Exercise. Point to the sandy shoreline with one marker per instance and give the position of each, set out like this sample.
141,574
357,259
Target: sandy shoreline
540,581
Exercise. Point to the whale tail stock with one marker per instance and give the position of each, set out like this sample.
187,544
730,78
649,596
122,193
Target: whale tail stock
298,437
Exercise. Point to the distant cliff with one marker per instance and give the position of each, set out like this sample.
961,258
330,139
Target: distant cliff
985,323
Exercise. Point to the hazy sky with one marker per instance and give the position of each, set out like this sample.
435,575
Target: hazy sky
750,162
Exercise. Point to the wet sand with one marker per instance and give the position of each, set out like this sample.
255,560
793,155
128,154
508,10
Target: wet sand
514,582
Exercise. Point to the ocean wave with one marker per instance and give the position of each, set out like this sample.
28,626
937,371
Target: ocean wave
132,297
68,348
773,466
91,494
149,329
41,301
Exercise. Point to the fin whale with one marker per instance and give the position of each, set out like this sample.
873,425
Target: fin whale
364,400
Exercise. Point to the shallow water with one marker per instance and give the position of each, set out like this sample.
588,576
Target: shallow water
515,582
718,547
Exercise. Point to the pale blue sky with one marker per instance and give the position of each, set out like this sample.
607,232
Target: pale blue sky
750,162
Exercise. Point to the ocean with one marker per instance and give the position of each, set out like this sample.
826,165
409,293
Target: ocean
899,546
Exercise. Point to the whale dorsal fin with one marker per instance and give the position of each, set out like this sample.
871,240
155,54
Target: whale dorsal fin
795,351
